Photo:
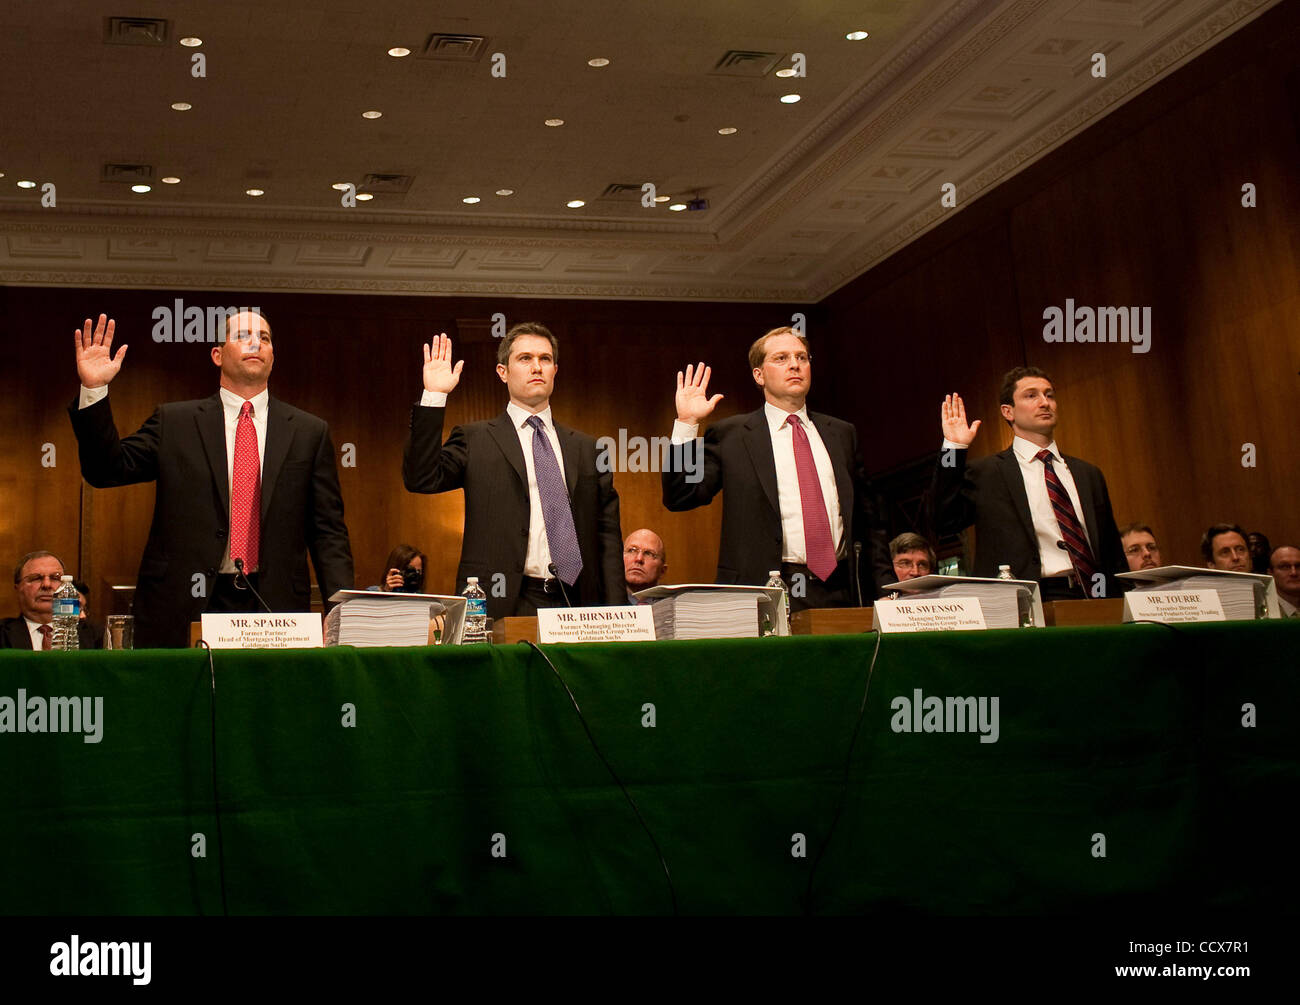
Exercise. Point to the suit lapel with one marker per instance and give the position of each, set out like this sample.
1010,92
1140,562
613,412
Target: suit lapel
1083,483
569,451
279,436
19,636
1009,465
506,436
211,421
843,479
758,440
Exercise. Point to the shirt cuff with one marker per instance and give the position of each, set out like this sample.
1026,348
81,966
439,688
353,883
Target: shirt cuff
91,395
949,445
684,432
433,399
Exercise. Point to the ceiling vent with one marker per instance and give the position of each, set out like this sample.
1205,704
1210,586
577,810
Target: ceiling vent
454,48
395,184
620,192
746,63
135,31
129,174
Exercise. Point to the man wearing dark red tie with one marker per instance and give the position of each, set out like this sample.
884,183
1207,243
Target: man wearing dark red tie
1045,514
794,492
247,486
541,514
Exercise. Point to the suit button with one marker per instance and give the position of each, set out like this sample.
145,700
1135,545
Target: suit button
221,535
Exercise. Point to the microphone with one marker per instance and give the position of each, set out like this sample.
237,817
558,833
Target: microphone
239,566
563,592
857,558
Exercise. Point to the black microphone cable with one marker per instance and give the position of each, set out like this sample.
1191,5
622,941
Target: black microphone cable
672,891
563,593
216,802
239,565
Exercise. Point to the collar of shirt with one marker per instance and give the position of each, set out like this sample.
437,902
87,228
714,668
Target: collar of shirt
33,628
1027,451
231,403
519,416
776,416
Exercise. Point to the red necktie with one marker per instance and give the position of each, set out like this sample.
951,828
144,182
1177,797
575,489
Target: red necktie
47,637
246,493
816,524
1076,542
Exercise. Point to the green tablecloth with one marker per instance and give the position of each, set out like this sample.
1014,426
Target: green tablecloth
1134,732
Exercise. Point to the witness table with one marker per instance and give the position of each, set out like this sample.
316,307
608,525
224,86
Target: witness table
1128,767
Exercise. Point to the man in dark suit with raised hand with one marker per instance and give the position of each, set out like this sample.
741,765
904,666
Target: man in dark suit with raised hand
243,479
1045,514
795,493
541,514
37,577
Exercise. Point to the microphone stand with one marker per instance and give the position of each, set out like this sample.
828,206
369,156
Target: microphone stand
239,567
563,592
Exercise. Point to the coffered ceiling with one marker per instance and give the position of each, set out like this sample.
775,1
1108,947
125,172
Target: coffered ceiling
799,199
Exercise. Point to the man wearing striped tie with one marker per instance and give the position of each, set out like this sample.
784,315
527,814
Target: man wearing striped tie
1044,513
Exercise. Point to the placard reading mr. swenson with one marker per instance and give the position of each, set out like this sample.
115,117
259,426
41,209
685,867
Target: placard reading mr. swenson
262,631
595,624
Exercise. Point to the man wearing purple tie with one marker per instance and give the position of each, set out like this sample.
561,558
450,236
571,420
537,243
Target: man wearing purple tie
794,493
1042,512
541,515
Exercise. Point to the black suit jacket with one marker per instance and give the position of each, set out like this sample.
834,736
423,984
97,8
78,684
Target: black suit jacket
182,447
738,462
990,493
485,459
14,635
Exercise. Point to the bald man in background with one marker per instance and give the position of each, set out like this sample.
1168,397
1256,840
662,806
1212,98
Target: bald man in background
645,560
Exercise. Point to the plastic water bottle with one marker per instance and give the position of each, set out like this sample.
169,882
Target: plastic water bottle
775,582
1004,572
67,612
475,613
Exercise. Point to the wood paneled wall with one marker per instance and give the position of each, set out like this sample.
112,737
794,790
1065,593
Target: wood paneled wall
1144,210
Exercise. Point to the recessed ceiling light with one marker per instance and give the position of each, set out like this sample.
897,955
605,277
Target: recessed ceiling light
726,130
470,199
555,122
598,61
254,191
399,51
141,188
340,186
662,198
181,106
857,36
26,184
677,207
789,99
575,203
505,191
2,174
786,72
365,196
191,41
171,179
372,115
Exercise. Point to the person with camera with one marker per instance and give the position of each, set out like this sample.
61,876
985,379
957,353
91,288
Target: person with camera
404,571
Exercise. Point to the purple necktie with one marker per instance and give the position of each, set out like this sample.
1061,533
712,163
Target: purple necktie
1076,542
816,524
561,537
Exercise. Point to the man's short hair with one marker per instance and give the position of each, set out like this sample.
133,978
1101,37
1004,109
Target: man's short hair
758,351
1133,528
526,328
911,542
1207,539
1007,392
31,556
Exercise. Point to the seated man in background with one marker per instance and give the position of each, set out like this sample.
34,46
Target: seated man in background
404,571
1224,547
1140,548
1284,564
912,556
1260,551
37,577
645,560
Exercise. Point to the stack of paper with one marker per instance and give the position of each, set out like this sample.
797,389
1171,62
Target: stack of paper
387,620
1002,603
1237,595
707,614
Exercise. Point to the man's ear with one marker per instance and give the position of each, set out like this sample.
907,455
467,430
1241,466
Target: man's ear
216,353
1008,412
501,372
758,376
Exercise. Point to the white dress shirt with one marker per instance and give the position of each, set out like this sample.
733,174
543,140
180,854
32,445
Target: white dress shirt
231,404
789,499
34,630
1054,560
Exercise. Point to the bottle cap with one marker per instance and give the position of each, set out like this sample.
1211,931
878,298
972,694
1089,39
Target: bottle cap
67,579
774,572
471,579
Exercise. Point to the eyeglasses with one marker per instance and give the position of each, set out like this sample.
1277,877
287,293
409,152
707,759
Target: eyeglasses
246,336
1134,549
1287,567
782,358
632,551
907,563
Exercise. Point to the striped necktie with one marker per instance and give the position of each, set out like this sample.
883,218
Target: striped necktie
1076,542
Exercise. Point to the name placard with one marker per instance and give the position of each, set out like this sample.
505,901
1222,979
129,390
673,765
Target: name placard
1173,607
262,631
930,614
595,624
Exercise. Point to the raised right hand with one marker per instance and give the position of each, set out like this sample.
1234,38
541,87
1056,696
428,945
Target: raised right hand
693,401
439,374
952,414
96,364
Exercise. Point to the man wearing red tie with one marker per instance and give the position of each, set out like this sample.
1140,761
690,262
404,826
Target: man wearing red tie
1045,514
795,494
247,487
